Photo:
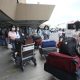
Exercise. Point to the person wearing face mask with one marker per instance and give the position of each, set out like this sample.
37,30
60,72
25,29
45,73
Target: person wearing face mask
12,37
12,34
18,33
46,32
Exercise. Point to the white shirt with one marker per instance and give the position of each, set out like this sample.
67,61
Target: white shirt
17,35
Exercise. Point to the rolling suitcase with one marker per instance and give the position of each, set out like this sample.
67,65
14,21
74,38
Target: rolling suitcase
58,63
64,62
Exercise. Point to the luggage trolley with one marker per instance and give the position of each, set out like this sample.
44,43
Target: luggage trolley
26,54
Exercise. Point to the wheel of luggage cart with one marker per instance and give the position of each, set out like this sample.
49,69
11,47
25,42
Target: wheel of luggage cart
22,66
34,61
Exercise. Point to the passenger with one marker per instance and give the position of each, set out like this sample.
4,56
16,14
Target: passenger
39,32
17,33
6,37
61,34
46,32
12,36
38,29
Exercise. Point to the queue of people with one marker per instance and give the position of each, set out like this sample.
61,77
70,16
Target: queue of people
45,32
13,35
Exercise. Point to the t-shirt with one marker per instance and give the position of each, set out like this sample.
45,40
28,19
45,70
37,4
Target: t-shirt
12,35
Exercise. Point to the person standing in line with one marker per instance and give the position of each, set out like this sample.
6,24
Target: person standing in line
46,32
12,36
17,33
39,31
61,34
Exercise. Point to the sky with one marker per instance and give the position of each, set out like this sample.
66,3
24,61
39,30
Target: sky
65,11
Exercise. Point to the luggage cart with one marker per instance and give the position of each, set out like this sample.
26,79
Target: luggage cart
26,53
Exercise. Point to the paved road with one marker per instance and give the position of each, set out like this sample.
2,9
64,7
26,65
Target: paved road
9,72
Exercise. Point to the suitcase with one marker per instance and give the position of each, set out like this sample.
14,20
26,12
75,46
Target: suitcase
63,62
47,46
48,43
61,75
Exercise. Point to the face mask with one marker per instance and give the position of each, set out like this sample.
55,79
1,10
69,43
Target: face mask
13,29
17,28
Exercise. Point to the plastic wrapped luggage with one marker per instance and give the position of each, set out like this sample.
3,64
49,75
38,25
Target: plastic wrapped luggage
63,66
48,43
47,46
68,46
